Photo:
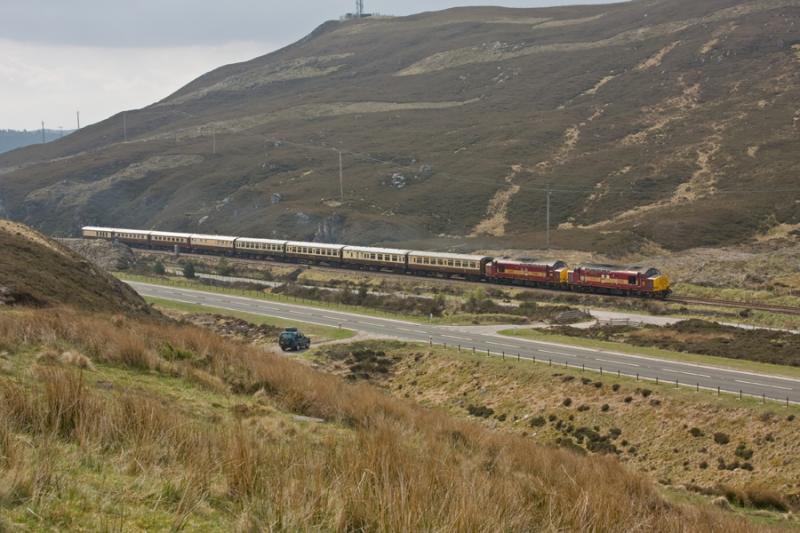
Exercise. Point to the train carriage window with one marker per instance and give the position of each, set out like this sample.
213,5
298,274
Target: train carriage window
631,280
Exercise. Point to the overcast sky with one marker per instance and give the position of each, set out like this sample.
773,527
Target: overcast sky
103,56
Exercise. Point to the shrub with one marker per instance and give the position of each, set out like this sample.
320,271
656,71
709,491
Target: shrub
598,384
188,271
567,402
790,418
480,411
615,387
743,451
158,268
628,399
537,421
645,392
605,407
583,408
703,465
551,417
696,432
721,438
655,403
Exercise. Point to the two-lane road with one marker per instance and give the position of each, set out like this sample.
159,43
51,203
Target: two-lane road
611,362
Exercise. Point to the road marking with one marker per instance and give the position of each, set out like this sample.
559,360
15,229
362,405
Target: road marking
762,384
615,362
331,317
409,330
687,373
558,353
454,337
501,344
373,324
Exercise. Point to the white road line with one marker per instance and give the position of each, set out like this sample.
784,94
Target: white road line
454,337
409,330
762,384
615,362
687,373
501,344
331,317
373,324
558,353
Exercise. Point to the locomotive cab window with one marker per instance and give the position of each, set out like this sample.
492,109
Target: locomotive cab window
631,280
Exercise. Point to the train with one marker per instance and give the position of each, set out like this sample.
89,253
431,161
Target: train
638,281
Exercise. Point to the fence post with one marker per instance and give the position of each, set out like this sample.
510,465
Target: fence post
430,339
740,394
763,397
518,356
698,387
550,362
534,358
676,384
719,391
637,376
656,380
473,349
504,356
583,367
487,353
459,348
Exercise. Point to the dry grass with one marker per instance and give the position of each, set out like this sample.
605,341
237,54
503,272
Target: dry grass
392,465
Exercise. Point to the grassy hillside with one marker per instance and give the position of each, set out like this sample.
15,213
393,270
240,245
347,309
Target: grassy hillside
130,424
649,119
682,439
35,270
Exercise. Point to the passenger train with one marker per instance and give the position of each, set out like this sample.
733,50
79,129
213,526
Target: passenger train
647,282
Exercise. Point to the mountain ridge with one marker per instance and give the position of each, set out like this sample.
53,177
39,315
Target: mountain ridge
653,123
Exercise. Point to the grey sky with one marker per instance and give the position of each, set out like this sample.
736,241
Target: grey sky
102,56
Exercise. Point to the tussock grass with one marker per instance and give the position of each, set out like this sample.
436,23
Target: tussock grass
390,466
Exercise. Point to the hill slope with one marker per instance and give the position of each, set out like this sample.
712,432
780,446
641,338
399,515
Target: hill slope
12,139
37,271
650,119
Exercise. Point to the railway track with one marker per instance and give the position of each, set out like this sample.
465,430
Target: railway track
733,304
782,309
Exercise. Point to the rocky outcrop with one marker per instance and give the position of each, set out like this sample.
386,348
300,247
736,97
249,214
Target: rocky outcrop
107,255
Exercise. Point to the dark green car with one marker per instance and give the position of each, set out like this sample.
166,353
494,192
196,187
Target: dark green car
293,340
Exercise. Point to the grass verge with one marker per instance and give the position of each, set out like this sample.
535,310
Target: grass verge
721,362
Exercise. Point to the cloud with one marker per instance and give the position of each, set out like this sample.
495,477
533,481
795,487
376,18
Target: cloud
47,82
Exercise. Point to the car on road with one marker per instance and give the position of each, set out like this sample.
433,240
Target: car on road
292,339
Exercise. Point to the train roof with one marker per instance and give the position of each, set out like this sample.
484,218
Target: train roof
171,234
316,245
552,263
261,241
224,238
370,250
619,268
442,255
117,230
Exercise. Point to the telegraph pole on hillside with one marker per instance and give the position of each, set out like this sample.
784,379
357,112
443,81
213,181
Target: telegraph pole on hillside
125,125
43,139
548,215
341,177
78,115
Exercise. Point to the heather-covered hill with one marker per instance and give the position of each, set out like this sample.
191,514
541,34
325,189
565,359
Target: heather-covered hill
672,122
36,271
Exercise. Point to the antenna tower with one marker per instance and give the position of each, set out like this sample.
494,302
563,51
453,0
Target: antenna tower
359,8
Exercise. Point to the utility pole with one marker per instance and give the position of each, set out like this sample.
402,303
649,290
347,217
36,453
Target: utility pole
341,177
125,125
78,114
43,140
548,215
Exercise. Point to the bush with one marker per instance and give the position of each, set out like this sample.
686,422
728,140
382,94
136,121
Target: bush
721,438
567,402
615,387
628,399
644,392
605,407
696,432
703,465
537,421
583,408
790,418
224,268
188,271
743,451
159,269
480,411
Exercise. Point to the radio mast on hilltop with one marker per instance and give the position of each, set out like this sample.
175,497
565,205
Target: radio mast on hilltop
359,8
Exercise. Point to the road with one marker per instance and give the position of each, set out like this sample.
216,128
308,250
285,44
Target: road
482,341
